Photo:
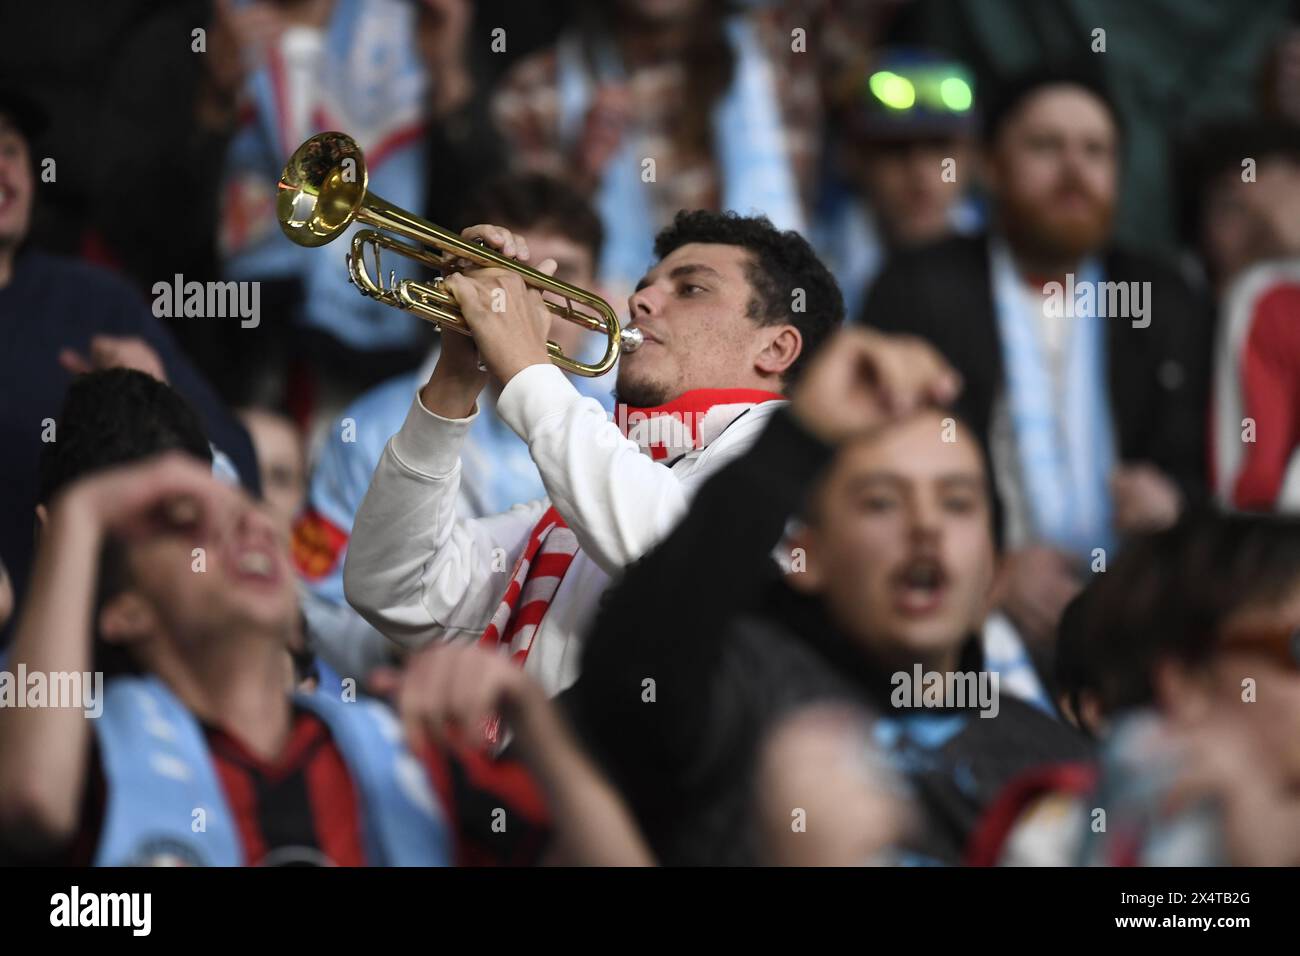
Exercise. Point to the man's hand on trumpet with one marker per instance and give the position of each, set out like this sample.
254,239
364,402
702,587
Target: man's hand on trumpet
509,321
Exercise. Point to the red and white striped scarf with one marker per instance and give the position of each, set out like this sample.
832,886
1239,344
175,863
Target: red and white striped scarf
664,433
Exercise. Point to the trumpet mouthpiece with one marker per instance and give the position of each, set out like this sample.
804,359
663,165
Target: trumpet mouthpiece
630,340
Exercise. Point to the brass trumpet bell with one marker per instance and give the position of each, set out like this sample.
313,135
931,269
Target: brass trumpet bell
322,191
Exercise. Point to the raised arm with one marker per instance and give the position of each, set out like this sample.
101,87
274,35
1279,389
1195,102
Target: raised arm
666,620
43,750
618,502
415,570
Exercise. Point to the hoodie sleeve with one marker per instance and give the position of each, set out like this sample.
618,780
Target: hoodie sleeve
414,569
666,619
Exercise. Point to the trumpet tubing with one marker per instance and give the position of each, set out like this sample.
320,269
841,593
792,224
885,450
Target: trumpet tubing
322,191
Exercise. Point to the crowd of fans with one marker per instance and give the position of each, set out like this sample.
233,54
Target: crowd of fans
956,522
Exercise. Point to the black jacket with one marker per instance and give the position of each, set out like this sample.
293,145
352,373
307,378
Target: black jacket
731,650
1158,375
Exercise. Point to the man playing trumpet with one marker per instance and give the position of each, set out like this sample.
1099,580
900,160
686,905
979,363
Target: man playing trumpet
729,314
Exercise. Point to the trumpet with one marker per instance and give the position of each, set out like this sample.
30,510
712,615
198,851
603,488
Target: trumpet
322,191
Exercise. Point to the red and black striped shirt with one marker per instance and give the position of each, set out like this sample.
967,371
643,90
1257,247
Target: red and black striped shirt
302,808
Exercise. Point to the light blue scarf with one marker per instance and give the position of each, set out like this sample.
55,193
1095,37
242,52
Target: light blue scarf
159,774
749,145
1066,455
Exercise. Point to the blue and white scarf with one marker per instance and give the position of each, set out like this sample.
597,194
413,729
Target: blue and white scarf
1066,452
749,143
364,77
165,801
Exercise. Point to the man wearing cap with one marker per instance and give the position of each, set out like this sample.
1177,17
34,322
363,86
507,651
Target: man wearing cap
58,317
1085,366
900,166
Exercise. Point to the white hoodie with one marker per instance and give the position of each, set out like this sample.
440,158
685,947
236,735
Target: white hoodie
418,572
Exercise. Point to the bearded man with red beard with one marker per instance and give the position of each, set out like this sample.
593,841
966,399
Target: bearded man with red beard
1085,365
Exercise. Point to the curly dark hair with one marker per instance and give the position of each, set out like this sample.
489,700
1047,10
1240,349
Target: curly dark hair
779,263
115,417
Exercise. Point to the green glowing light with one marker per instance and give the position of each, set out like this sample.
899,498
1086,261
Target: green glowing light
893,90
955,93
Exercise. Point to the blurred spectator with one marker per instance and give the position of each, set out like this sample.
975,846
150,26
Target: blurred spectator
135,187
118,415
1240,191
1170,66
1205,635
57,317
721,345
890,573
280,71
653,106
1255,429
153,119
1192,644
462,144
1242,212
314,778
849,32
496,469
821,762
1084,364
900,166
281,458
157,611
